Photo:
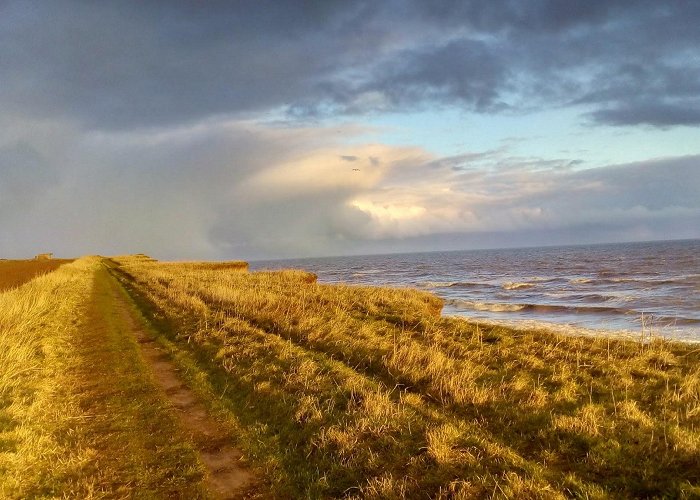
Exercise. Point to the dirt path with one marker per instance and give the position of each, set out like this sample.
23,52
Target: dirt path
228,477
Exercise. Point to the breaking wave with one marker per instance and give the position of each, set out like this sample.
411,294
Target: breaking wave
540,308
453,284
577,281
486,306
516,286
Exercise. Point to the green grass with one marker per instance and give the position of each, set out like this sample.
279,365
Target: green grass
369,392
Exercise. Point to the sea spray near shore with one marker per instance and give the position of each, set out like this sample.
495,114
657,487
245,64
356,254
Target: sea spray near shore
600,287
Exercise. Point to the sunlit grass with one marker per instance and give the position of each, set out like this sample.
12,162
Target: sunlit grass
79,415
345,390
35,322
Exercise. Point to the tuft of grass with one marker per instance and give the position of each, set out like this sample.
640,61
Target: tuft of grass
368,392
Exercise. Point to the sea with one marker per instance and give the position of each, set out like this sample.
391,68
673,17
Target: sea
637,289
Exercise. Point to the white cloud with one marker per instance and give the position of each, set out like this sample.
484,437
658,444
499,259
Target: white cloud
539,198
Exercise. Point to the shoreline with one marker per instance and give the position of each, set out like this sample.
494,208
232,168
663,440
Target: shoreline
587,290
527,325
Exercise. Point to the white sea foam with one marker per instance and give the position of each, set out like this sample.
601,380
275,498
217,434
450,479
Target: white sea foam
439,284
516,285
577,281
575,330
487,306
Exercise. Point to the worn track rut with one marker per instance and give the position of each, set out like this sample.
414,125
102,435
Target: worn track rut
228,477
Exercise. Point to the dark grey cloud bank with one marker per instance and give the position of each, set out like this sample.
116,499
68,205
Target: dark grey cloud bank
127,63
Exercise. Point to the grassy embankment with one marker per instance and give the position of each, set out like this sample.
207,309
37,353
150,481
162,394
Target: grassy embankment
368,392
79,414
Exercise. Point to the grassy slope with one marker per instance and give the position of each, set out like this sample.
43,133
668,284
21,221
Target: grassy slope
79,414
341,391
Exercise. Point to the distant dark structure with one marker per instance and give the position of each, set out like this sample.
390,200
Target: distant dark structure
44,256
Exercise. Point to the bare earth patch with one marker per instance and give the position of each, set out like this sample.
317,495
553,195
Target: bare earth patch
228,477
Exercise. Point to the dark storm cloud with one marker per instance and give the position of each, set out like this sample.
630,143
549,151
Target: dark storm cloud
657,113
651,93
124,64
121,64
462,72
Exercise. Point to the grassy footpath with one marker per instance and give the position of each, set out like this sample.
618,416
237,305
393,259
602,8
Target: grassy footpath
341,391
79,414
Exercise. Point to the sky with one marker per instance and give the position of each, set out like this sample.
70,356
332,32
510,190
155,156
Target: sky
267,129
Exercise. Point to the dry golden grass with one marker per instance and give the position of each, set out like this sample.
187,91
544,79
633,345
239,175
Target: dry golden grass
369,392
234,265
35,321
14,273
79,415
